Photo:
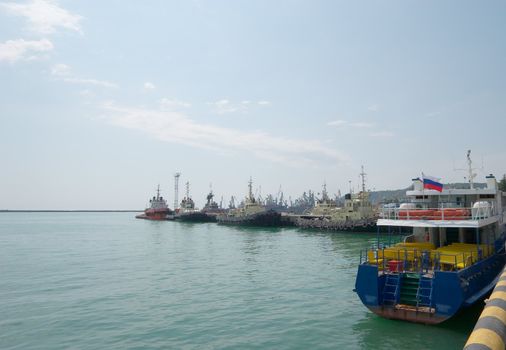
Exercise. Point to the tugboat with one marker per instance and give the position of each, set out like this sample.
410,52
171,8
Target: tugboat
188,212
158,209
251,214
357,215
452,258
212,209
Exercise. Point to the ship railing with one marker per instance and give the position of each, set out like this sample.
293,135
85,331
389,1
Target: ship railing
399,259
453,214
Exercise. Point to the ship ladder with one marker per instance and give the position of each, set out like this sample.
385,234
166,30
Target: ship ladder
424,293
391,289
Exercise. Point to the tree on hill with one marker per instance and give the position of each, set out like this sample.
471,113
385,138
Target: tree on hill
502,183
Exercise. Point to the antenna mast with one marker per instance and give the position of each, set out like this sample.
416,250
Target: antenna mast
470,170
250,186
187,189
324,191
362,175
158,192
176,189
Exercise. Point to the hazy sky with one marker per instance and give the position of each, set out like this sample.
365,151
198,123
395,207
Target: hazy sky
100,101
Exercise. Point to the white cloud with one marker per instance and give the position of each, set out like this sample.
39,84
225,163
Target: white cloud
337,122
382,134
20,49
373,108
149,86
175,127
64,73
225,106
44,16
86,93
60,70
344,123
173,104
86,81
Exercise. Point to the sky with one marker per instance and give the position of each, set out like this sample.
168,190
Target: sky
101,101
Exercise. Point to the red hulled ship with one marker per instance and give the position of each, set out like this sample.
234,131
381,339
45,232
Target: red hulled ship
158,209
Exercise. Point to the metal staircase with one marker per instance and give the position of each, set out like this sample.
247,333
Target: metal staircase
391,289
409,289
424,293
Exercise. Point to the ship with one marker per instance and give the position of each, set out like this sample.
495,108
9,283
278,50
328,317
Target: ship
158,208
277,203
451,259
187,211
252,213
357,214
211,208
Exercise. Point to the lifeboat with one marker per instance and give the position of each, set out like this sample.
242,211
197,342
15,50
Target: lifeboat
417,214
451,214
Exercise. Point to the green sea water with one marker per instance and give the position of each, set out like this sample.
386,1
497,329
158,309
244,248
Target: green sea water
109,281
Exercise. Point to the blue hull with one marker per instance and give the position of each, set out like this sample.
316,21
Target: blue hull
450,291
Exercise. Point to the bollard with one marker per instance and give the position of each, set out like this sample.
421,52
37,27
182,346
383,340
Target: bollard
490,330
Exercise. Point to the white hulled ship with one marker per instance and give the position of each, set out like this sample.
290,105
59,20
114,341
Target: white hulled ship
452,259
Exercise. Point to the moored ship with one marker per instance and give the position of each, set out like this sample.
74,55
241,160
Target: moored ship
451,259
357,214
158,208
211,208
252,213
188,212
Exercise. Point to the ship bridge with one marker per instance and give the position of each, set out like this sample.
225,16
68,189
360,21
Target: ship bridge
462,216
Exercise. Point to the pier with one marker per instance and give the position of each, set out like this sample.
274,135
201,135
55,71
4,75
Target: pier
490,330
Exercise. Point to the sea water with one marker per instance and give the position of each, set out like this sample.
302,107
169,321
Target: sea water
109,281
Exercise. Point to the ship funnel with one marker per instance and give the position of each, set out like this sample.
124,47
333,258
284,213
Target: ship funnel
491,182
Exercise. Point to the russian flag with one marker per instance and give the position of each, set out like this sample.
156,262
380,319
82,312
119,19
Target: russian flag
432,183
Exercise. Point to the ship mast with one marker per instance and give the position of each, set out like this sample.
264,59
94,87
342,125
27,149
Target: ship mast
362,175
324,191
470,174
250,186
187,189
470,170
158,192
176,189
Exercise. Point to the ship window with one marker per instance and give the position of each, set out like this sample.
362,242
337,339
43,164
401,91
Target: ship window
422,197
490,196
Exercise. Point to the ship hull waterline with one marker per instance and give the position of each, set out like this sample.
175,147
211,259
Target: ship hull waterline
408,315
266,219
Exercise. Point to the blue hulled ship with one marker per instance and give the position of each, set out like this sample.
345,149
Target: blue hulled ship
452,257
